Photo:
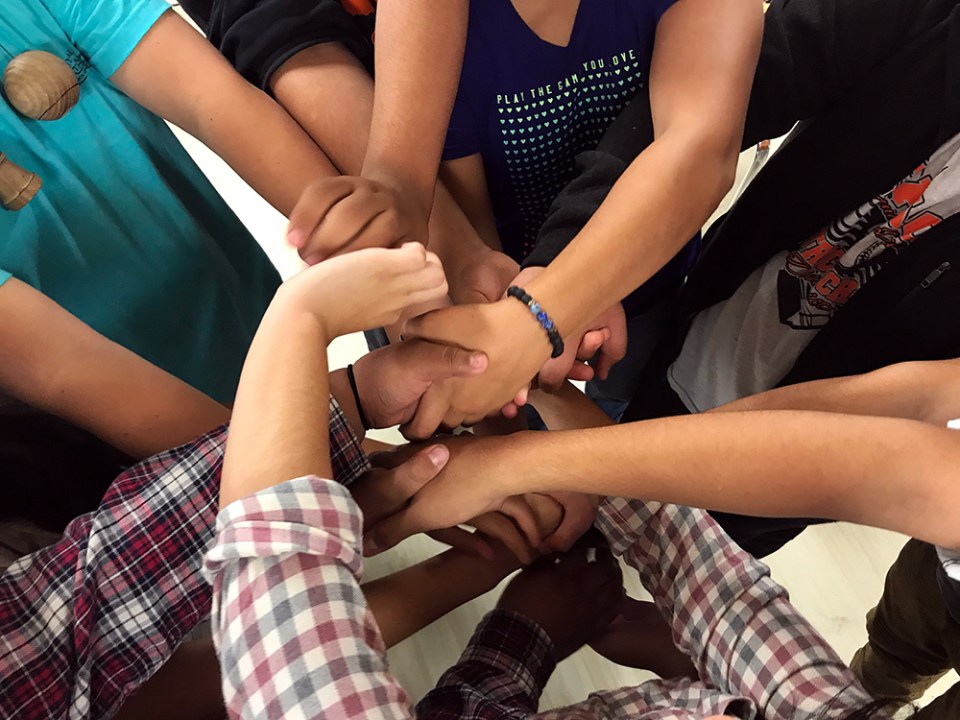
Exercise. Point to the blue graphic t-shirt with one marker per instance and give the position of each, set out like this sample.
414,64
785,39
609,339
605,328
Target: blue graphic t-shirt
529,106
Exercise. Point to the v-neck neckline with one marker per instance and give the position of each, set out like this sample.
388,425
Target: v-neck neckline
577,22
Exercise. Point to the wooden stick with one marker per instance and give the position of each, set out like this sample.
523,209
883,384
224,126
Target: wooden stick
17,186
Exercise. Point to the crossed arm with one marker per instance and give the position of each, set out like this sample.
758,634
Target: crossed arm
175,73
702,68
871,449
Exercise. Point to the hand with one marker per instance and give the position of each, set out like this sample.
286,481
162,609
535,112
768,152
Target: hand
475,481
399,474
640,638
395,478
342,214
516,348
579,513
607,334
368,288
482,278
573,597
391,380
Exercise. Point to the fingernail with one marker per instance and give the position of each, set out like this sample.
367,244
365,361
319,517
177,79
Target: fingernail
438,455
477,360
296,237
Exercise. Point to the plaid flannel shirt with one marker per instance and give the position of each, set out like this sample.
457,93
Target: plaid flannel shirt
84,622
297,640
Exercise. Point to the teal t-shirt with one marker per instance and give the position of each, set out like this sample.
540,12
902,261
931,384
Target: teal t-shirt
126,233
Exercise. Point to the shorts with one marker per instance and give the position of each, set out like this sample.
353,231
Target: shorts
259,36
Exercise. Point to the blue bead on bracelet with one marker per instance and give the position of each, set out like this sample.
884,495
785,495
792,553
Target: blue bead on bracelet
541,315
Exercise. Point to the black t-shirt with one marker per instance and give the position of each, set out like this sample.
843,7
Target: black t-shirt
258,36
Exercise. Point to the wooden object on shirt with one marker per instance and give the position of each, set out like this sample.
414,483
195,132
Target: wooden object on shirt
41,85
17,186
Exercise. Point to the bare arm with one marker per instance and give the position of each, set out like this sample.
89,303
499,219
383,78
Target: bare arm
419,54
407,601
926,391
703,65
886,472
280,426
704,57
467,183
51,360
176,74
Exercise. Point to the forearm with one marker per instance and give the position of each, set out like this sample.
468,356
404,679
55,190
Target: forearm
280,425
176,74
263,144
641,225
303,85
927,391
407,601
568,409
419,54
784,463
54,362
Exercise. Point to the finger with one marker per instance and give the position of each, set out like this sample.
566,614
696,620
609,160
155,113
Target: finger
433,362
358,214
517,509
465,541
582,372
503,529
431,409
591,342
615,348
311,208
391,459
391,490
393,530
554,372
442,326
510,411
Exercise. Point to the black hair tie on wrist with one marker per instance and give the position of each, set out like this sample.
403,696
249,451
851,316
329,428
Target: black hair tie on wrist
541,316
356,396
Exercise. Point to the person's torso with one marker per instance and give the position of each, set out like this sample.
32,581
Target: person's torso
748,343
530,106
126,232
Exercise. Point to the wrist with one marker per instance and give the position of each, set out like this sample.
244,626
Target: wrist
416,190
296,302
343,394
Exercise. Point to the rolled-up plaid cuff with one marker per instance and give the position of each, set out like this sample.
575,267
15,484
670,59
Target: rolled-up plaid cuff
516,646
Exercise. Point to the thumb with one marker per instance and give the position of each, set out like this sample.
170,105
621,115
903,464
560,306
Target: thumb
392,530
446,361
440,326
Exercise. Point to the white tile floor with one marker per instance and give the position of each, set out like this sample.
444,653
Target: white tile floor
835,573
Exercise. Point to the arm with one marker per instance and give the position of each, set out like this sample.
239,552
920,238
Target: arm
704,57
926,391
407,601
56,363
302,86
419,54
176,74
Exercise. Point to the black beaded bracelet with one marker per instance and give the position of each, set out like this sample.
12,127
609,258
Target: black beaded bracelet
541,315
356,396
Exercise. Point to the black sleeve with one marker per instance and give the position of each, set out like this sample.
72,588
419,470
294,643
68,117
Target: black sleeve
597,171
813,52
258,36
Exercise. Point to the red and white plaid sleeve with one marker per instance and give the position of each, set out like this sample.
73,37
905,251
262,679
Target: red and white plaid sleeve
292,628
757,656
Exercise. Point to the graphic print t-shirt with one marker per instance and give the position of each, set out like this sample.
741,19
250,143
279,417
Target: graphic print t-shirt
529,106
749,343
